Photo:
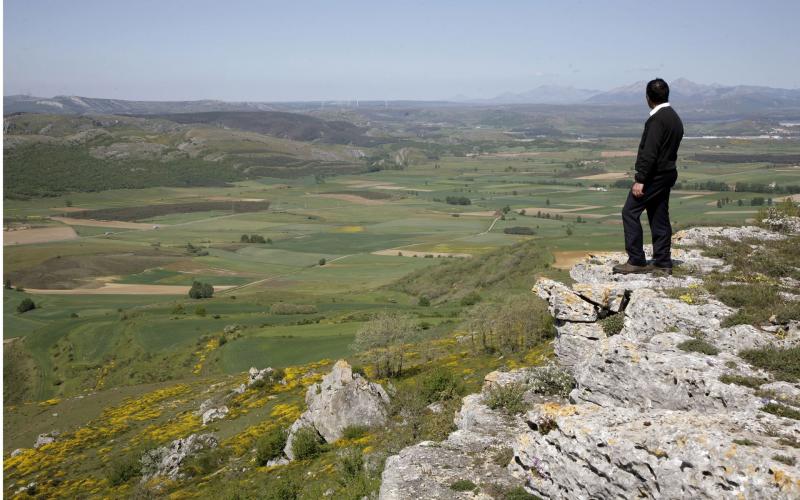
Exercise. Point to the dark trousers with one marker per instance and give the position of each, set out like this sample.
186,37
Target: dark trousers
656,202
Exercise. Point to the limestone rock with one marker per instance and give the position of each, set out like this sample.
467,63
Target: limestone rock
657,374
710,236
577,341
341,399
588,451
214,414
649,313
46,438
166,460
255,375
608,296
479,451
564,304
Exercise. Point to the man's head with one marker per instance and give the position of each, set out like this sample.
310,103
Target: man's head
657,92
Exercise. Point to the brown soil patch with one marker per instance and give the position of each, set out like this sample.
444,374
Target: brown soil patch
691,196
358,200
410,253
608,176
124,289
617,154
38,235
568,258
115,224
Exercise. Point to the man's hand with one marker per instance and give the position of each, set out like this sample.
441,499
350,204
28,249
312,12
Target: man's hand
637,189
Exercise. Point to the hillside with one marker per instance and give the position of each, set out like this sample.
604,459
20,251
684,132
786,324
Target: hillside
46,155
647,390
294,126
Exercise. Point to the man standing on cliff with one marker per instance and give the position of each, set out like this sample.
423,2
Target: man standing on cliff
656,173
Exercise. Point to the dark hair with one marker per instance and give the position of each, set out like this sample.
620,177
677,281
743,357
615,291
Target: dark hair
657,91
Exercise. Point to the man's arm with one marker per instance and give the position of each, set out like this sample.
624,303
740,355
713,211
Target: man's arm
648,152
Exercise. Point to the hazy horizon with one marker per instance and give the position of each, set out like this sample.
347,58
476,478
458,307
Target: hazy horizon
265,51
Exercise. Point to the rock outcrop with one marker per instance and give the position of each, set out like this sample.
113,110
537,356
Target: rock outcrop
166,460
648,415
46,438
341,399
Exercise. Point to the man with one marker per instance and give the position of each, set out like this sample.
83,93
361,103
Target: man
656,173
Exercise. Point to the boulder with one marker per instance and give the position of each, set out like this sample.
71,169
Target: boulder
166,460
341,399
564,304
254,375
46,438
214,414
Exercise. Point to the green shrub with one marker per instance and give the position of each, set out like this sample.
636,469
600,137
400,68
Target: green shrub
321,262
200,311
354,431
306,444
752,382
26,305
781,410
439,385
698,345
206,461
351,463
507,397
519,493
551,380
281,488
785,459
463,485
745,442
613,324
424,301
784,364
270,446
124,468
470,299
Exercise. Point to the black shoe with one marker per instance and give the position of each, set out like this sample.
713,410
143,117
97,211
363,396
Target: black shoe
628,268
659,271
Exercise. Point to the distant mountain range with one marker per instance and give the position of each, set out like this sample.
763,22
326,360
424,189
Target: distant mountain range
684,93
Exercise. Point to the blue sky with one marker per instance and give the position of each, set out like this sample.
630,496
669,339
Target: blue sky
340,49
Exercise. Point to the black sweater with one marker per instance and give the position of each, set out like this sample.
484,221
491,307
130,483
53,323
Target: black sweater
659,147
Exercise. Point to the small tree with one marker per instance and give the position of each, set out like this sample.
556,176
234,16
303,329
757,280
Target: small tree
244,239
322,262
424,301
26,305
201,290
382,340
